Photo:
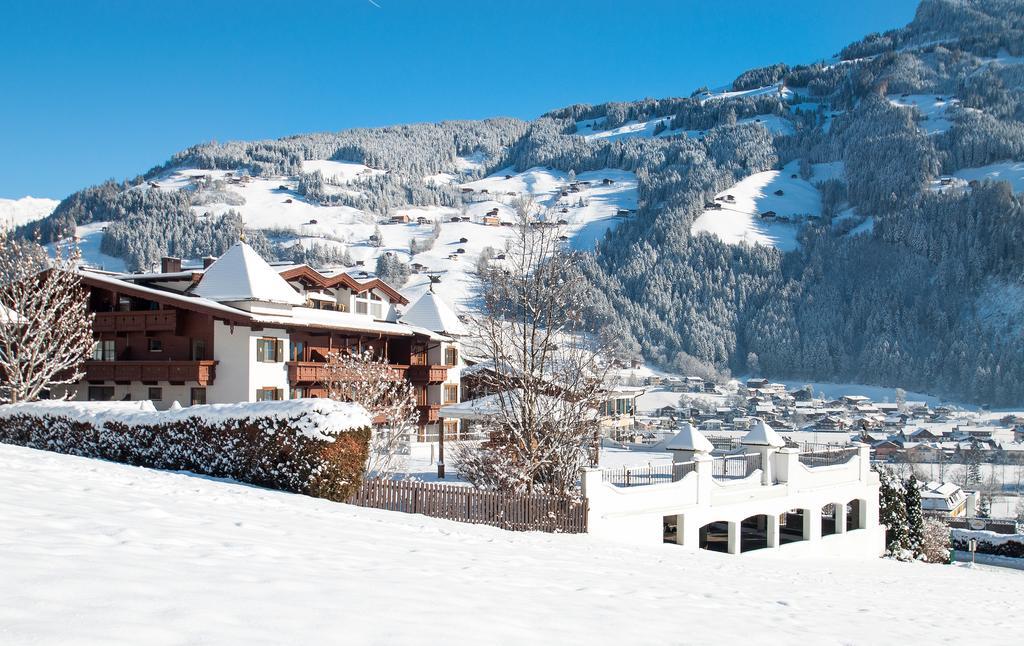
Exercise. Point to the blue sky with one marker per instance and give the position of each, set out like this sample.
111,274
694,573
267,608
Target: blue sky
93,90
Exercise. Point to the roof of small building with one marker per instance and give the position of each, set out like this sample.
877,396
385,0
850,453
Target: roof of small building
242,275
689,439
763,435
433,313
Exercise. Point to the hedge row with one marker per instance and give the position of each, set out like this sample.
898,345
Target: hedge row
1010,545
265,451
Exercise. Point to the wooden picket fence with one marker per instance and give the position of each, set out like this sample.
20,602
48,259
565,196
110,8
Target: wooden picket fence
515,512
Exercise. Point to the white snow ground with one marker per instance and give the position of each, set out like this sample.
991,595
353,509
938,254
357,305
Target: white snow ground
98,553
14,213
740,221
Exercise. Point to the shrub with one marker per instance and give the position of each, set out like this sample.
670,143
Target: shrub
935,541
313,447
990,542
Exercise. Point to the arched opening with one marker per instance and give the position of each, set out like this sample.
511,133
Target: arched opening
715,536
828,520
754,532
791,526
855,514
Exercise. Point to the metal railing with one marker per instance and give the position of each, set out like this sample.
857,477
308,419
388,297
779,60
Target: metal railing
729,467
649,475
826,455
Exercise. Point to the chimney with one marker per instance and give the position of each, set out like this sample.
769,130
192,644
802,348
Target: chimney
209,260
170,264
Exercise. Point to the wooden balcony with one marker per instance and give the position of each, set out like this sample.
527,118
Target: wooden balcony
429,413
147,321
201,372
432,374
315,372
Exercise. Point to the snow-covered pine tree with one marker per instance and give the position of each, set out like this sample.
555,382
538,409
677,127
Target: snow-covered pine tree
915,519
892,513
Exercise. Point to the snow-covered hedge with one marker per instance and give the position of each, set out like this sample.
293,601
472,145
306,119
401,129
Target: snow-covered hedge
314,446
990,542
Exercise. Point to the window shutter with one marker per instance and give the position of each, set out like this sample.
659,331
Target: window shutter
279,350
260,355
279,394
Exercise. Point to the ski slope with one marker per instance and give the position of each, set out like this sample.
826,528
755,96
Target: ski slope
100,553
14,213
740,221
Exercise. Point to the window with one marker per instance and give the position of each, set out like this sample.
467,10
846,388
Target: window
451,355
103,350
156,345
269,350
375,310
101,393
198,396
298,350
298,393
198,349
451,429
269,394
451,393
156,394
362,307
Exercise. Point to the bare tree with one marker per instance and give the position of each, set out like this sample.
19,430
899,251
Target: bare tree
45,323
546,366
372,382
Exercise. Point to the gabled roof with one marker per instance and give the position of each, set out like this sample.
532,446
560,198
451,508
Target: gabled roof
242,275
689,439
313,277
432,313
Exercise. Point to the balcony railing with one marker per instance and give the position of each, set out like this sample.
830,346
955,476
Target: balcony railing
143,321
315,372
639,476
432,374
729,467
201,372
826,455
429,413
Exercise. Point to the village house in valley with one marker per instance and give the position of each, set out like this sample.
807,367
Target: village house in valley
241,330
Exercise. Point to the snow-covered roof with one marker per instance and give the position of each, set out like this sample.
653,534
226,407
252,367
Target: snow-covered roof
432,313
242,275
763,435
689,439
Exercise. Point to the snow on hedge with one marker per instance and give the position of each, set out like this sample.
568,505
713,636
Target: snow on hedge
315,418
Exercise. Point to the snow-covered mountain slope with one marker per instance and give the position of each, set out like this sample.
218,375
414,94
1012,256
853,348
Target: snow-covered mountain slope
1007,171
27,209
600,201
933,108
95,552
741,218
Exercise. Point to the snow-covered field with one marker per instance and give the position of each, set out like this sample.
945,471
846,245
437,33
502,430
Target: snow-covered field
932,107
90,236
14,213
740,221
1006,171
98,553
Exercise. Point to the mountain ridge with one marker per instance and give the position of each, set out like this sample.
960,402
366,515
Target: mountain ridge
890,147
